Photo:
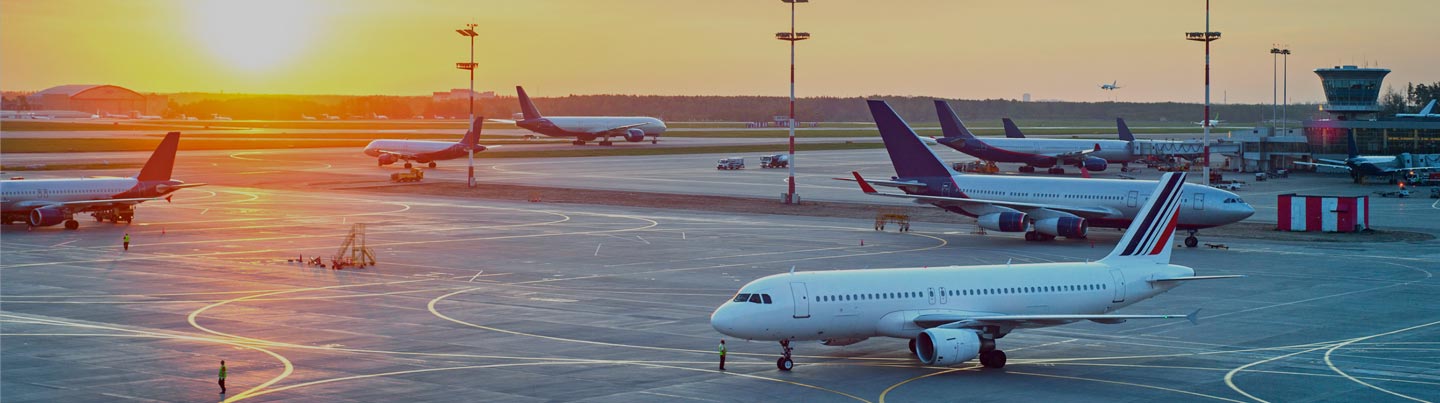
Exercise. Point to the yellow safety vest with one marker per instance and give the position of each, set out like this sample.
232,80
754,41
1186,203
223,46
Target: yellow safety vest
722,350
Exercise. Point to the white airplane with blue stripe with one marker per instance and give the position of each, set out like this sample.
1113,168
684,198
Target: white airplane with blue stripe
954,314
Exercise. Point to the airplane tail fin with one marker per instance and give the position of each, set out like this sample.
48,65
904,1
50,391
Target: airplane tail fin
1147,239
526,107
162,162
472,136
908,153
1351,147
1428,108
1011,130
1125,133
950,124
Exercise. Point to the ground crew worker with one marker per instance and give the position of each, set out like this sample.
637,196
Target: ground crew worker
127,241
722,354
222,377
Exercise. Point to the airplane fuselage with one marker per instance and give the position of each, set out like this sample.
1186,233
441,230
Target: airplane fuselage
856,304
1201,206
584,127
423,150
19,197
1028,150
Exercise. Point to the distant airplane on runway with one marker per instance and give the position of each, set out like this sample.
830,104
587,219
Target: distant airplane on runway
1042,207
1113,85
1361,166
1093,155
389,152
586,128
1212,122
306,117
1428,112
953,314
46,202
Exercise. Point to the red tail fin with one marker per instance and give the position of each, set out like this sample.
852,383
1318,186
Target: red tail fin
162,162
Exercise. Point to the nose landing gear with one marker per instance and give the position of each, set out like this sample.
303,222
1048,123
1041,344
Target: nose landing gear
785,363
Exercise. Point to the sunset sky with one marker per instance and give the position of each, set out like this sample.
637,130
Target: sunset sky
948,48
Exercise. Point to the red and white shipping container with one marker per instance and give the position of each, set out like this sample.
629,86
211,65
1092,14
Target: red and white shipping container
1323,213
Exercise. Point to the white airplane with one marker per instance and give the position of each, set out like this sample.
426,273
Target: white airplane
1212,122
586,128
46,202
1091,154
306,117
1111,86
1428,112
426,151
954,314
216,116
1042,207
329,116
1361,166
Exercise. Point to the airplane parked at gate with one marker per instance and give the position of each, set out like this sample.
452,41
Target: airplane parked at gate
1094,155
586,128
1361,166
956,313
388,152
46,202
1042,207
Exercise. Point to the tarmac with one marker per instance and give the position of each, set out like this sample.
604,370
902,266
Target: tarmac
486,300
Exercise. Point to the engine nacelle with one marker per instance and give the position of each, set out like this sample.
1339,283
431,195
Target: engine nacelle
1003,222
1069,227
1095,164
947,346
45,217
387,159
634,135
843,342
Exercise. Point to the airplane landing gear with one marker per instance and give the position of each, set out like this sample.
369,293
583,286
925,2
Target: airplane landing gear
1056,171
1027,169
71,224
408,165
432,164
1037,236
1191,241
785,363
606,142
578,142
912,346
994,359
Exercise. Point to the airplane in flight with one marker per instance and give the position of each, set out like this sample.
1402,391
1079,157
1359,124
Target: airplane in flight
1042,207
1361,166
46,202
1428,112
586,128
388,152
1093,155
953,314
1113,85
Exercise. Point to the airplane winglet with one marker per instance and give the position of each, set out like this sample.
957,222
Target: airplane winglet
1194,317
864,186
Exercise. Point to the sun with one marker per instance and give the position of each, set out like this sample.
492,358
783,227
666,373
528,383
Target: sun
254,35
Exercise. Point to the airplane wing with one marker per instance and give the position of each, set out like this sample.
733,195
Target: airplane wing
81,204
1345,167
1390,170
1022,206
1074,154
505,121
961,321
398,154
1192,278
619,128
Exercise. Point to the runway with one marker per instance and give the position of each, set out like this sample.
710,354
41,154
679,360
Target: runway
483,300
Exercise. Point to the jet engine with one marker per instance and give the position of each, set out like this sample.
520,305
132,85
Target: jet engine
1003,222
947,346
1095,164
387,159
843,342
1069,227
47,216
634,135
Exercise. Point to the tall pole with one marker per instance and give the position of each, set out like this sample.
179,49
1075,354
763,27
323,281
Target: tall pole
1285,94
470,151
790,196
1207,37
1274,82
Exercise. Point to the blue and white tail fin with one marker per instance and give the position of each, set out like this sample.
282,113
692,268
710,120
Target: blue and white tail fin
1353,149
1125,133
1429,108
1011,130
527,108
911,157
162,162
472,136
1147,240
950,124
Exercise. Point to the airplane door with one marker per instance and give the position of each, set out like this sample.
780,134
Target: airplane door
1131,198
1119,287
1199,201
802,300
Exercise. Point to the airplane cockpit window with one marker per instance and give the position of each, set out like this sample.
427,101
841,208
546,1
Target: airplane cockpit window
755,298
741,298
1234,200
765,297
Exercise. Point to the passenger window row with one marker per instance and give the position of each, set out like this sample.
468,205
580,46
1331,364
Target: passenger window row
752,298
960,293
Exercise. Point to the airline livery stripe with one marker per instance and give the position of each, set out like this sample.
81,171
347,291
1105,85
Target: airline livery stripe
1149,230
1165,239
1157,228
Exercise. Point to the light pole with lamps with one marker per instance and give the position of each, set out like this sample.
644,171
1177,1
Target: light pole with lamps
469,32
1285,91
792,36
1207,37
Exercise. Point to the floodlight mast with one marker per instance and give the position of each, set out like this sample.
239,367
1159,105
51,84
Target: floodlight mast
469,31
790,196
1207,37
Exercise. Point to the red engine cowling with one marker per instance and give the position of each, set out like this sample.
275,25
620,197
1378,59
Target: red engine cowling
44,217
387,159
634,135
1003,222
1069,227
1095,164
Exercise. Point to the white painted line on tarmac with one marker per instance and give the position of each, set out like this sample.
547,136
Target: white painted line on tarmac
472,278
643,240
597,249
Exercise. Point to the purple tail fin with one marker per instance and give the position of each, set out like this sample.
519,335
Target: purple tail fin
526,107
472,137
908,154
1125,133
162,162
1011,130
950,124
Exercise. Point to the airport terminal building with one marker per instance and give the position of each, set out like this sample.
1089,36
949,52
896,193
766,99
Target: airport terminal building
1352,100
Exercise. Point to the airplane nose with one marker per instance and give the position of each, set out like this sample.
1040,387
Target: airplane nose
1245,211
723,320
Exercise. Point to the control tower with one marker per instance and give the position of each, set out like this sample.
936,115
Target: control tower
1352,93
